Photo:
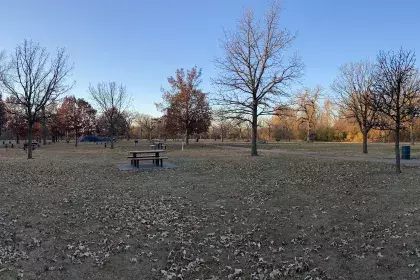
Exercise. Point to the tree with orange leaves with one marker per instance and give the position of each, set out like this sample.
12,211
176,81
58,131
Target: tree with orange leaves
185,106
77,115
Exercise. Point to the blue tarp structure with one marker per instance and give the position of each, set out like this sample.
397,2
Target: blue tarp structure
94,139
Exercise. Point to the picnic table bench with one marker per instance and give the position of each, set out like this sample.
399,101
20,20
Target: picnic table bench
147,155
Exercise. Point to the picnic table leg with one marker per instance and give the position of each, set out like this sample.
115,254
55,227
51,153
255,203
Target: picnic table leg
134,161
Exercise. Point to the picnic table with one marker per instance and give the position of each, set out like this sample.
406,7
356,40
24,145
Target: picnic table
34,144
158,146
146,155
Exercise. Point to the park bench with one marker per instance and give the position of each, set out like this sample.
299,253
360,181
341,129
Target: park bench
147,155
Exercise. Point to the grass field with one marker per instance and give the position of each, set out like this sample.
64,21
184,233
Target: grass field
71,214
381,150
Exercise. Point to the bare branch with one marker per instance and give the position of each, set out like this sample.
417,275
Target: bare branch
33,81
255,72
112,100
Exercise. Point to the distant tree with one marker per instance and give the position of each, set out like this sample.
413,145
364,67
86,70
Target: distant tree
221,120
45,119
77,114
354,88
186,107
160,128
268,123
103,127
2,114
2,106
327,115
112,101
56,125
255,70
285,124
129,118
146,123
395,88
307,108
16,123
34,80
414,106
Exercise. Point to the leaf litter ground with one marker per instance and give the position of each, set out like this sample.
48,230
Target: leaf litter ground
70,214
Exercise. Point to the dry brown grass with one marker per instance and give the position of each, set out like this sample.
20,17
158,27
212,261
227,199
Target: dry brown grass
70,214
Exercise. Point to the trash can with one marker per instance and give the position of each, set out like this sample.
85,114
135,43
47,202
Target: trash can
405,152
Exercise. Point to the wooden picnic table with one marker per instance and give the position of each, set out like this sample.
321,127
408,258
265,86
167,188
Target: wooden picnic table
156,158
156,152
158,146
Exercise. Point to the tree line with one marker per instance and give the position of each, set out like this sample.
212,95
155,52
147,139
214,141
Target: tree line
256,72
37,103
253,95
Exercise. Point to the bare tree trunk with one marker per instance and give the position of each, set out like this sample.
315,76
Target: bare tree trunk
112,136
44,126
254,151
17,138
308,132
187,136
397,150
29,140
76,140
365,139
411,133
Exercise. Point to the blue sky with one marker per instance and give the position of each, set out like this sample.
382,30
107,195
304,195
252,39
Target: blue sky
141,43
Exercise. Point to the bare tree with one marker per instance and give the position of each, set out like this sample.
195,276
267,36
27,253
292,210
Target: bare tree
112,101
147,123
307,108
35,80
396,87
2,114
268,122
354,88
220,119
2,106
255,70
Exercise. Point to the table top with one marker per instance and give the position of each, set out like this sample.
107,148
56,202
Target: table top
146,151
